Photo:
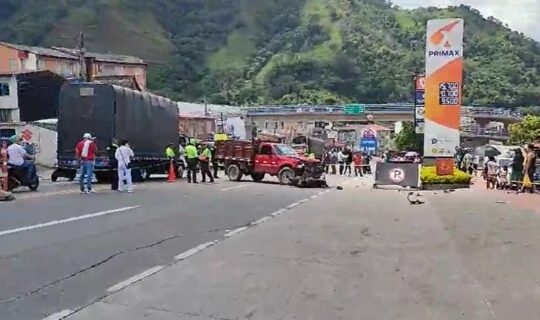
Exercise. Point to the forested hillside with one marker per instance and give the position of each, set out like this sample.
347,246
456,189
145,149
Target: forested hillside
283,51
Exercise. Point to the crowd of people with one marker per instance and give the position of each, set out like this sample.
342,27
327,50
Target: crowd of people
194,156
518,174
343,161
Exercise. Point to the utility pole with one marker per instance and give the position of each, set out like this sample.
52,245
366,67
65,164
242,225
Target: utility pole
205,106
82,59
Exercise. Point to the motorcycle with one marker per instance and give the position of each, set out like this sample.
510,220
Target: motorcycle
17,178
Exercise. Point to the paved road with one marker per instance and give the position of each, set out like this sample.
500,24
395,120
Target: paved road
61,250
355,254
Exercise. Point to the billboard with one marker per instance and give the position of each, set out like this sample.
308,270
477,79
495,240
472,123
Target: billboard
443,83
419,103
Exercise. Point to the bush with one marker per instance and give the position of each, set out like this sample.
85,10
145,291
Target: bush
429,175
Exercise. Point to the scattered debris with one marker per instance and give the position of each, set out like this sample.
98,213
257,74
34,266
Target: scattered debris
415,199
501,202
339,187
6,196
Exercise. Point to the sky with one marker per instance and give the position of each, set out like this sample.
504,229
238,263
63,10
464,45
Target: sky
521,15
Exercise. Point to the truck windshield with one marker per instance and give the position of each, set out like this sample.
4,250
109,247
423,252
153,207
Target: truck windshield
285,150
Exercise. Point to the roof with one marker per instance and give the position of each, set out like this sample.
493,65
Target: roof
40,51
73,54
26,72
104,57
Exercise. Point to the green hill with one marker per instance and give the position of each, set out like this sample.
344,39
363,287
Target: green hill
283,51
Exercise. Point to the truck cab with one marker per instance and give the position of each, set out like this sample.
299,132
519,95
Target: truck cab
272,157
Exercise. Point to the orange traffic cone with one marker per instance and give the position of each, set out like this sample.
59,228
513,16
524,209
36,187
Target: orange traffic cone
172,174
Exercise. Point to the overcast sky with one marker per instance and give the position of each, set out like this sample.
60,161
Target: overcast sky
521,15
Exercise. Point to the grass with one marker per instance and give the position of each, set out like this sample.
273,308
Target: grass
235,54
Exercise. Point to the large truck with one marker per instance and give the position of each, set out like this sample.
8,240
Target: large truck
258,158
149,122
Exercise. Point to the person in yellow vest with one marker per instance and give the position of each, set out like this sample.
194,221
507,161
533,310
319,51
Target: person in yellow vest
192,158
169,152
204,159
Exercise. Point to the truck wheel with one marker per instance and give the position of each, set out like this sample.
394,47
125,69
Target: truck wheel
54,176
234,173
286,175
257,177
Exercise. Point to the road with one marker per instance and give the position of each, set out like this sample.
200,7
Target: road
61,250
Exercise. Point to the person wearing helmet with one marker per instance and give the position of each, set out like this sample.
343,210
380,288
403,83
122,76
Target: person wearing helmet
18,157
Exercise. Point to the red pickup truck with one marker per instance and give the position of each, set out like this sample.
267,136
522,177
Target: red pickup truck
259,158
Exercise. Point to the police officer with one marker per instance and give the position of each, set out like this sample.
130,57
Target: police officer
192,158
204,160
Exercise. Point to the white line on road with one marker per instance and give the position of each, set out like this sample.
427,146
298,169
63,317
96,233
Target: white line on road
278,212
135,278
55,222
261,220
235,187
292,205
190,252
59,315
235,231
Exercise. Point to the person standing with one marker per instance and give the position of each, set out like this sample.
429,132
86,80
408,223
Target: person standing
341,161
491,173
517,167
192,158
529,167
357,160
86,153
123,156
111,153
204,159
348,161
215,163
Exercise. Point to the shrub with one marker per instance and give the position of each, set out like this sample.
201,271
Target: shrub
429,175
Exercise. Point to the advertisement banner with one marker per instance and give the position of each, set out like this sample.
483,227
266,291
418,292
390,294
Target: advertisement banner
443,83
419,103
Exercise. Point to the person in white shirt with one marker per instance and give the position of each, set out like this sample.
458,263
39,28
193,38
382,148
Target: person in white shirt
341,161
123,155
17,157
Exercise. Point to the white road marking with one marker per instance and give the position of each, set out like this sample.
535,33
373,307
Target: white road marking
56,222
303,201
59,315
235,187
292,205
314,196
261,220
278,212
235,231
190,252
135,278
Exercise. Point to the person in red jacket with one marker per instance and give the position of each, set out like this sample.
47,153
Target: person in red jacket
357,160
86,154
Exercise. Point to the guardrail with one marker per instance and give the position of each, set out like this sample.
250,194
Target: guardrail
376,109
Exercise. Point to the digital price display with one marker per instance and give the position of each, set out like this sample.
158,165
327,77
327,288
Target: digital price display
449,93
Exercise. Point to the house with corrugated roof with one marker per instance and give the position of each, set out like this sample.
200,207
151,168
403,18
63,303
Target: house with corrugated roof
70,63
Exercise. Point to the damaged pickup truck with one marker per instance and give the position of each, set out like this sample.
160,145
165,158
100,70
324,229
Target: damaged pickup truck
260,158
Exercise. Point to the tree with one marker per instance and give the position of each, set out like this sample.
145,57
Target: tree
408,140
526,131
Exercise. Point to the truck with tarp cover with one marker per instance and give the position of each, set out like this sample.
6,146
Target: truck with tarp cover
149,122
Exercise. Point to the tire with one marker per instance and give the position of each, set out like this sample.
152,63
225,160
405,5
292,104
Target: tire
35,184
103,177
72,176
234,173
257,177
54,177
286,176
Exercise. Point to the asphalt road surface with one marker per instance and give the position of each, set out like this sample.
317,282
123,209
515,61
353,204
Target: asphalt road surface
60,249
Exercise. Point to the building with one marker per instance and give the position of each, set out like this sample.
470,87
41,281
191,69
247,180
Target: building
67,63
29,96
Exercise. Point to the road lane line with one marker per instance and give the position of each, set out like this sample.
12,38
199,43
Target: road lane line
234,187
235,231
261,220
59,315
135,278
192,251
278,212
56,222
292,205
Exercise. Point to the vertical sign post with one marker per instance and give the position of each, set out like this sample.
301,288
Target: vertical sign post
444,69
419,103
